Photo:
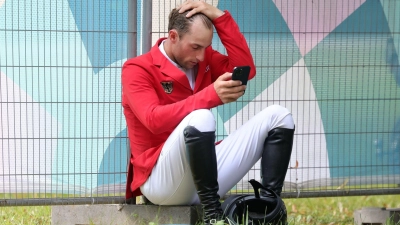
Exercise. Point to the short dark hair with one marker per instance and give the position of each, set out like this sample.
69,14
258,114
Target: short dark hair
181,23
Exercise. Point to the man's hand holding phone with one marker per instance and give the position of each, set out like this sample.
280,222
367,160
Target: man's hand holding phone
231,86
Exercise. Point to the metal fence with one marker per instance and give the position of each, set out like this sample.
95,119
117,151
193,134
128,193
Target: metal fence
334,64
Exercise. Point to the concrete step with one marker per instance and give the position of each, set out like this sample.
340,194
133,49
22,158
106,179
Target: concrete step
375,216
111,214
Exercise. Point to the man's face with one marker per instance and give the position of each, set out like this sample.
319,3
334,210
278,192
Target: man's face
189,49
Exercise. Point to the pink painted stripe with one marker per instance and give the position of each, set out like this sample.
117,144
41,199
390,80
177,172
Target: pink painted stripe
310,21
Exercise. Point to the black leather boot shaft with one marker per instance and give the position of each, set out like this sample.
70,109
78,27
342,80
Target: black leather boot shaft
275,158
200,147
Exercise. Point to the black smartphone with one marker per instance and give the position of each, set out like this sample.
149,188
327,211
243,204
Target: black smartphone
241,73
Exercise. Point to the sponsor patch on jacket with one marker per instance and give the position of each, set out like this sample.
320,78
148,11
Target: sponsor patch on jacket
168,86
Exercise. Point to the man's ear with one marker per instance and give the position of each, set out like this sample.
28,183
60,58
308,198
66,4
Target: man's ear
173,35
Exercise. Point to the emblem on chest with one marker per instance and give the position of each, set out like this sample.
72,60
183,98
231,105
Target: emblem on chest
167,86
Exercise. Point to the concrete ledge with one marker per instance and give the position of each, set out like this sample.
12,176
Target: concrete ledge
124,214
373,215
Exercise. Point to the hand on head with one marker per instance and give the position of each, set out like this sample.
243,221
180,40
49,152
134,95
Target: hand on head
200,6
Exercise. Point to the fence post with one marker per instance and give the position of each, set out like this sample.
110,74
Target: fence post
146,25
132,52
132,28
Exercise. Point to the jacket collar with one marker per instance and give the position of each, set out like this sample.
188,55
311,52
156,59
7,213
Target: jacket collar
166,67
170,70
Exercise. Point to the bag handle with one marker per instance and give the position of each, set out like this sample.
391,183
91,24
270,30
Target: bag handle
256,186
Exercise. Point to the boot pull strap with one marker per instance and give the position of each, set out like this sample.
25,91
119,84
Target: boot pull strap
256,186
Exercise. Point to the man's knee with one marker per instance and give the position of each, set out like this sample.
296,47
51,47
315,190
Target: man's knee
202,119
278,109
281,116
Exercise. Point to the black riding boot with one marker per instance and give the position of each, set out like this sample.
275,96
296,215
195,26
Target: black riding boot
275,158
200,147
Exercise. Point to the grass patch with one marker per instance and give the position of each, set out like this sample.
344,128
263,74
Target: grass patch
334,210
32,215
327,210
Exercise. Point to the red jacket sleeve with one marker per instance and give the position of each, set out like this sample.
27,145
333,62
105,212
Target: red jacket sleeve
236,46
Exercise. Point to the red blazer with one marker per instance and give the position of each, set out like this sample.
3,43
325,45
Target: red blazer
156,96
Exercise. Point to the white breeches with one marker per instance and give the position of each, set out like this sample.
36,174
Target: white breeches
171,182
